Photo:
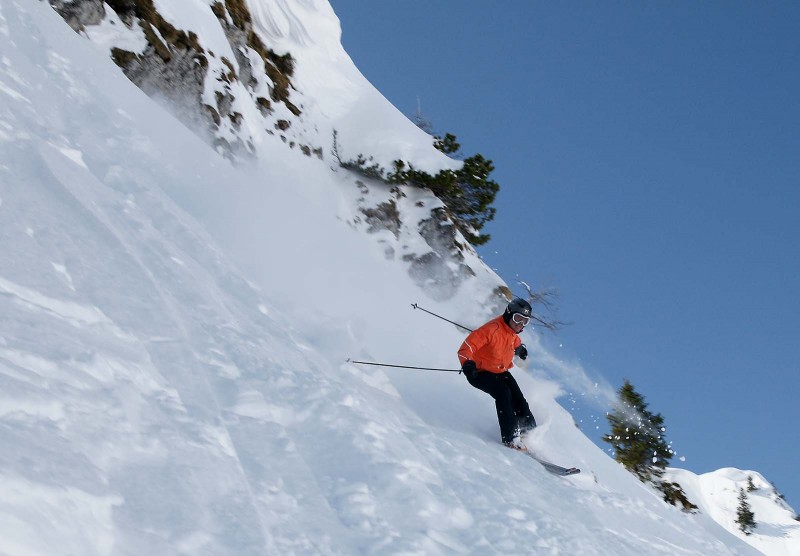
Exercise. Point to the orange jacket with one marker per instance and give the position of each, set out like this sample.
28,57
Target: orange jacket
491,346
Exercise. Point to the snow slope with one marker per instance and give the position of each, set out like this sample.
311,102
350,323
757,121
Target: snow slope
325,85
173,336
717,495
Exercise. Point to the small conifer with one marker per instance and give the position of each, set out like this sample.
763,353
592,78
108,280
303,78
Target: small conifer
637,435
745,518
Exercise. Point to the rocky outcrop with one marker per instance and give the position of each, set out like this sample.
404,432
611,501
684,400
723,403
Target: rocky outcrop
205,90
237,22
80,14
410,214
224,96
443,268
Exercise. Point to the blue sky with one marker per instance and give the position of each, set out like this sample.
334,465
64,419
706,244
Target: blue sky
648,156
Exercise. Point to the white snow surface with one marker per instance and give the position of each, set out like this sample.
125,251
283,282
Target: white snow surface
173,337
717,494
342,99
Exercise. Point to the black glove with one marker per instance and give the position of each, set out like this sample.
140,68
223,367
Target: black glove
521,352
469,368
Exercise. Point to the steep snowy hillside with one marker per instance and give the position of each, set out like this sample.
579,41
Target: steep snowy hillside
173,336
216,65
237,71
717,495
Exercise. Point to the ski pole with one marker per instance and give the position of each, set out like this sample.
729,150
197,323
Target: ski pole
402,366
415,306
533,317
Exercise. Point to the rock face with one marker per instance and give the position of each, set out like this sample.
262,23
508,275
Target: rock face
208,91
232,88
412,225
80,14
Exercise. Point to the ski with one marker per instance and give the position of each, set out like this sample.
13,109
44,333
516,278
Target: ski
556,469
551,467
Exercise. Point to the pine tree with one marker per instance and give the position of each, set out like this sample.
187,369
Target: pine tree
751,487
447,144
778,493
637,436
467,193
745,518
673,494
471,199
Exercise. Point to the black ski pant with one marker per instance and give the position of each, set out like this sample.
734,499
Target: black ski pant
513,412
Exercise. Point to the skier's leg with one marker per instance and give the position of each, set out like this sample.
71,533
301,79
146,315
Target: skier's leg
524,417
495,386
505,415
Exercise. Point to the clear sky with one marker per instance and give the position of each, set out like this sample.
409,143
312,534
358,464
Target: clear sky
649,159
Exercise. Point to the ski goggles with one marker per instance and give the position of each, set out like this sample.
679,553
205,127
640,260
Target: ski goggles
519,318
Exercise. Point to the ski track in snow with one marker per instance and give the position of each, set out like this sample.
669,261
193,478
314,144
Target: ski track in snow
77,314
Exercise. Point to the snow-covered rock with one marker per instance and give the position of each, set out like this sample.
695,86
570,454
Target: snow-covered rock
244,74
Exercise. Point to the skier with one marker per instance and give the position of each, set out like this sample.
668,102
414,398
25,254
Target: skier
486,356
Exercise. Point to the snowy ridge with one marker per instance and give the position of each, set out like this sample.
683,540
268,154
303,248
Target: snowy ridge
717,495
229,41
326,91
173,337
335,94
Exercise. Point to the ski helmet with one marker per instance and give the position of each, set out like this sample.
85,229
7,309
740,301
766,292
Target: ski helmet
517,305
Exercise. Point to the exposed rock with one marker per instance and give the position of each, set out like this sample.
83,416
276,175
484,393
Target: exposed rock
440,270
432,272
385,216
443,269
79,14
174,67
174,74
237,23
264,106
439,233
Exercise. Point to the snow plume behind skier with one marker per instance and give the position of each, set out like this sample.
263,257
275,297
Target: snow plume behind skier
486,356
